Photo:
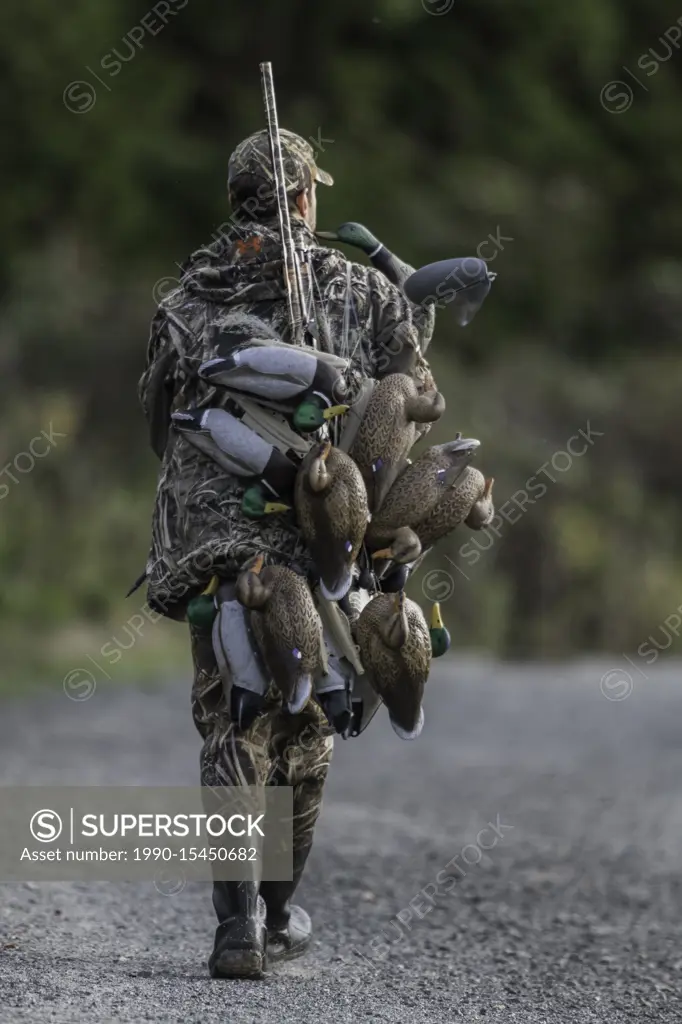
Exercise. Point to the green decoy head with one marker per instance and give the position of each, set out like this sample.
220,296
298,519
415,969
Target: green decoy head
201,610
255,504
354,234
312,414
440,638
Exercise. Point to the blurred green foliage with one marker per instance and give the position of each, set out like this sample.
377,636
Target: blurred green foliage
441,131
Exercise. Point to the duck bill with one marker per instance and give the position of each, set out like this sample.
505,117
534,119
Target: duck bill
258,564
386,553
436,618
330,235
487,493
211,588
271,507
335,410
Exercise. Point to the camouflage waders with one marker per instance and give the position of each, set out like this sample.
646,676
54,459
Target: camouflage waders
277,749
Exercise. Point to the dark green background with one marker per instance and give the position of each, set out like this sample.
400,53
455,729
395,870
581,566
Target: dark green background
440,130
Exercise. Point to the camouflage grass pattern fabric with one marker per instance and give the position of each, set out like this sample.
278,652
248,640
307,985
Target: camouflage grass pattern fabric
278,748
250,166
198,529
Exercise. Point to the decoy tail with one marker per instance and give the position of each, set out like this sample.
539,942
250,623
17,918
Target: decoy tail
409,734
301,695
339,588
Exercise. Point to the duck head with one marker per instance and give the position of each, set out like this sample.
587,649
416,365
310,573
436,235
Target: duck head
202,610
312,414
252,591
255,505
483,510
353,234
440,637
395,628
404,548
319,476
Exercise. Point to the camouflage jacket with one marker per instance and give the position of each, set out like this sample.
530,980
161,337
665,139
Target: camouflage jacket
198,528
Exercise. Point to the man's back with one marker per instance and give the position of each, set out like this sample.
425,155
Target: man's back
198,526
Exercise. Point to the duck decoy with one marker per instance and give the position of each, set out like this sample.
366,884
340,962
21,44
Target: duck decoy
404,547
483,510
235,447
382,258
393,563
242,670
470,491
310,384
440,637
333,693
202,609
257,503
388,431
312,414
463,283
395,648
287,628
331,507
414,495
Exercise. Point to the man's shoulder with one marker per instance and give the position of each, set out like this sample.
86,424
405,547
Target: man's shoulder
364,280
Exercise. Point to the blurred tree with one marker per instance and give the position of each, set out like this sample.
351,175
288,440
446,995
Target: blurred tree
489,120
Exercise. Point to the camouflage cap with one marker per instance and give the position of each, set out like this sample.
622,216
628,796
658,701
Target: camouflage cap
251,165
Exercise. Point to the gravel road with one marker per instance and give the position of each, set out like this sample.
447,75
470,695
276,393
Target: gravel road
566,910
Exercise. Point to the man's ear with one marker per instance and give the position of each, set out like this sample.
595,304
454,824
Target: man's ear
302,203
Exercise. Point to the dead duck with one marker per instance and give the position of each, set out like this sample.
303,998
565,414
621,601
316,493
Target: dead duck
393,532
388,430
286,626
395,648
382,258
331,507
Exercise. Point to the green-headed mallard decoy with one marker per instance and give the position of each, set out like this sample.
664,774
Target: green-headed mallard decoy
286,626
440,637
236,448
395,648
393,532
288,375
389,429
257,503
202,610
382,258
331,507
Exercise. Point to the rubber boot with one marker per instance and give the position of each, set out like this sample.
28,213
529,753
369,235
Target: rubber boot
289,927
240,944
